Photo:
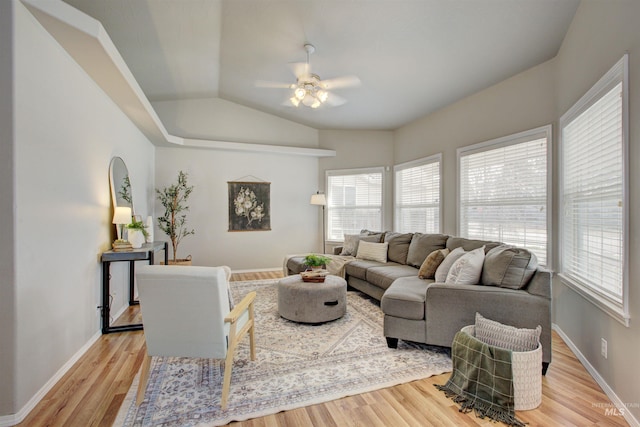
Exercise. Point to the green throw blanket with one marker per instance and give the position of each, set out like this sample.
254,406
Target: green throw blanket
481,380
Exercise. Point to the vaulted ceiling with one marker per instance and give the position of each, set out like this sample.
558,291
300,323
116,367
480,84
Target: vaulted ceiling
413,57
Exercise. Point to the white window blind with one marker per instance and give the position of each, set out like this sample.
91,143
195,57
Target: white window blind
593,182
503,191
354,202
417,196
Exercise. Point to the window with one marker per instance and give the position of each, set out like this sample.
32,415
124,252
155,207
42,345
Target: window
354,201
593,219
417,196
503,191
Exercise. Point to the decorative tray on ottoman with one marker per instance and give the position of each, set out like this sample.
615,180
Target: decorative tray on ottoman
315,276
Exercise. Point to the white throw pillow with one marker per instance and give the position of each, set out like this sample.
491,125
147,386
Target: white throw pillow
467,269
443,268
372,251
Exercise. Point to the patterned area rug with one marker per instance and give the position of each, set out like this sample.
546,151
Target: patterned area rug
297,365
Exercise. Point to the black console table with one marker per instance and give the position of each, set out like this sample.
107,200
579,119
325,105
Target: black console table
146,252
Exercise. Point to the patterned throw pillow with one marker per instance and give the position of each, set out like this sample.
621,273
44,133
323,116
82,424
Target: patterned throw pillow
372,251
505,336
467,269
443,268
431,263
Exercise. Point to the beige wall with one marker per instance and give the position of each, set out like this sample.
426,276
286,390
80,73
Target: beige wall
523,102
7,249
360,149
600,34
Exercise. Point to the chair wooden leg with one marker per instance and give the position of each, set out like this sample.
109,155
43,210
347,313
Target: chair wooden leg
226,383
144,378
252,343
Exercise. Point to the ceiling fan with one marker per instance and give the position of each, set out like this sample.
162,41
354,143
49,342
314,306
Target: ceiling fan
309,90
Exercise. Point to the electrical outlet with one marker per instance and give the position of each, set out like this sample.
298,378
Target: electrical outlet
603,348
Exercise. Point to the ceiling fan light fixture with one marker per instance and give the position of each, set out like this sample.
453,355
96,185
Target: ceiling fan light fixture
295,101
300,93
322,95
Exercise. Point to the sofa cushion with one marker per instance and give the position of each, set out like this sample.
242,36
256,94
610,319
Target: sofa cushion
351,242
431,263
467,269
443,268
384,276
398,246
506,336
509,267
469,244
373,251
405,298
358,267
422,245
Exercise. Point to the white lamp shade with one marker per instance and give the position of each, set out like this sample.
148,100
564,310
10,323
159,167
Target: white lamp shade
318,199
122,215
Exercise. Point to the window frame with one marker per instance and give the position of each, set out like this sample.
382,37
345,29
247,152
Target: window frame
505,141
436,158
348,172
619,73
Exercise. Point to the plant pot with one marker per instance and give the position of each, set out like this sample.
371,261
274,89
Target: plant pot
183,261
135,237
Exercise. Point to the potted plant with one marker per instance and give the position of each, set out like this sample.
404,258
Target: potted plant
173,222
137,233
316,261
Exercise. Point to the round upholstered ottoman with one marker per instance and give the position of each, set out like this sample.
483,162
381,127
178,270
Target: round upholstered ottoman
308,302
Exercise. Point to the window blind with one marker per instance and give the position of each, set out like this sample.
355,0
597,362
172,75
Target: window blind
593,194
354,202
503,193
417,197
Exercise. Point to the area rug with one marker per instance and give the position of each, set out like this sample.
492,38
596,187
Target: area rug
297,365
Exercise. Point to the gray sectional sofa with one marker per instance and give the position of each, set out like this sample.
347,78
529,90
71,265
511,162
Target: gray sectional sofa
512,289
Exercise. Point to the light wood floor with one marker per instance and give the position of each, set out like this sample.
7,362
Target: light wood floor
91,393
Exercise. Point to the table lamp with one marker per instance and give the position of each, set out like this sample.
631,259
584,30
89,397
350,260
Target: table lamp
121,216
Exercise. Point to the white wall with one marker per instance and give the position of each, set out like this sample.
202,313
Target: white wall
523,102
293,220
66,132
600,34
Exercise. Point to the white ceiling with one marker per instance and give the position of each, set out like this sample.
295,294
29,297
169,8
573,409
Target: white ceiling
412,56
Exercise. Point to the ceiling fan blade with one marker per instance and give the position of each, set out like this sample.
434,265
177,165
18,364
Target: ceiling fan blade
339,82
273,85
334,100
300,69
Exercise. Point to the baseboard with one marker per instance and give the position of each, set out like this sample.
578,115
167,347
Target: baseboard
619,408
11,420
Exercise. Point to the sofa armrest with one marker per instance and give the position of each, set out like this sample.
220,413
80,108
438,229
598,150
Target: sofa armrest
540,283
448,308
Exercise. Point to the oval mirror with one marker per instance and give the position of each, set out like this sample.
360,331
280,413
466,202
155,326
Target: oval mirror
120,184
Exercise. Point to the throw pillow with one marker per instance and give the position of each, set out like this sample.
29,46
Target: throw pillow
509,267
351,242
506,336
372,251
350,245
467,269
431,263
422,245
443,268
398,246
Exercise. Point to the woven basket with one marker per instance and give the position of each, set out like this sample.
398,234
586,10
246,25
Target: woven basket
527,375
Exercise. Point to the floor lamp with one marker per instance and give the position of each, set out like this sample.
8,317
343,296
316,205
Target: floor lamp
319,200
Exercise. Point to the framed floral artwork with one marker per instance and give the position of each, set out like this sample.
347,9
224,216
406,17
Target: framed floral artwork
249,206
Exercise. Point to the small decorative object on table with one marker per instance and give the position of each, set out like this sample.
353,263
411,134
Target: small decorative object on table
316,272
121,246
137,233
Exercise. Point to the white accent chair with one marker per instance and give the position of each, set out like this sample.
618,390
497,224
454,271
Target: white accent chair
185,312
